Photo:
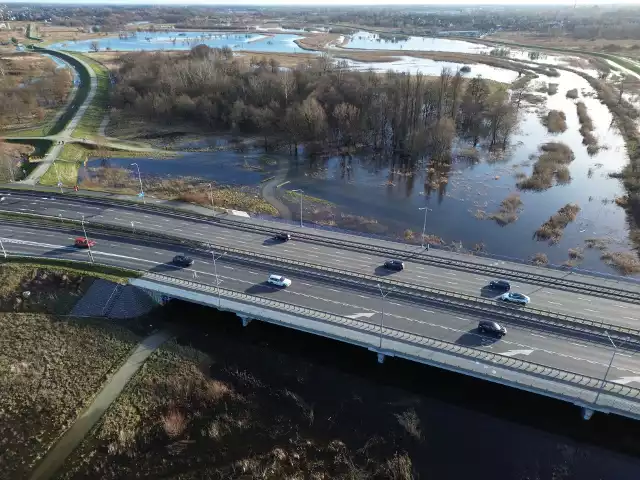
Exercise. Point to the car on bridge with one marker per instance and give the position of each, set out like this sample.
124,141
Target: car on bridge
279,281
492,328
515,298
182,261
397,265
83,242
500,285
282,236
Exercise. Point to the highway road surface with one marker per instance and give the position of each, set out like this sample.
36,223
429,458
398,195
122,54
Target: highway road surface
570,352
592,308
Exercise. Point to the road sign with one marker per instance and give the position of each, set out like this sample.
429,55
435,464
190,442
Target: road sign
141,194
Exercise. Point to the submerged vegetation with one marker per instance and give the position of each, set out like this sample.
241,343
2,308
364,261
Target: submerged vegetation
551,165
555,121
553,228
586,129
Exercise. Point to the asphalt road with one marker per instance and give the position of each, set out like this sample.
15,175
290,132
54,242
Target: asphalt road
545,298
573,353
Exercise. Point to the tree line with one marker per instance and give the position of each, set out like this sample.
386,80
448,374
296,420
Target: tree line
320,103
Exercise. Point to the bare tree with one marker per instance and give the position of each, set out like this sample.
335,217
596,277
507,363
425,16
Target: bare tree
94,46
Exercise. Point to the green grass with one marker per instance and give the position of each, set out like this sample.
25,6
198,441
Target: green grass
90,122
67,172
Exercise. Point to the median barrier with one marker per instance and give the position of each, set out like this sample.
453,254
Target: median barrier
422,257
525,315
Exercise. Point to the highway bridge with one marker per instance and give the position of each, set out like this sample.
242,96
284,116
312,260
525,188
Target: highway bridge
578,330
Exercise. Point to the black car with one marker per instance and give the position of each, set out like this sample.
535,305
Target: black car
182,261
282,236
500,285
493,328
394,265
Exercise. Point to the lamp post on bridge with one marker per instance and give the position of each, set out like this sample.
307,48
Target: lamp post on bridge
300,192
140,180
424,226
604,380
384,296
87,240
215,270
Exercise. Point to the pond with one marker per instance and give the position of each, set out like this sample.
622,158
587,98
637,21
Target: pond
176,40
373,41
376,187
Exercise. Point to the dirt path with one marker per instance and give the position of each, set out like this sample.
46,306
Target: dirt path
85,422
268,192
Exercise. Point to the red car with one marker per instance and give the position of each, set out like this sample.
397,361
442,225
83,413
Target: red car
83,242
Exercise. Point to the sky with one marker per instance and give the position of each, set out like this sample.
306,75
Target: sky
300,3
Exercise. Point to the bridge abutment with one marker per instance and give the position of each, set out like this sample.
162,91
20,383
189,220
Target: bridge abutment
587,413
245,320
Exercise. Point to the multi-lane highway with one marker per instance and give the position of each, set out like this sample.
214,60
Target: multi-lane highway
581,355
591,307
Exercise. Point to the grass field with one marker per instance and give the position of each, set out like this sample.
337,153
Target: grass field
50,368
90,123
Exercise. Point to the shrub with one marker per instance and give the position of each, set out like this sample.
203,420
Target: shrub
540,259
551,164
553,228
555,121
508,212
626,263
573,93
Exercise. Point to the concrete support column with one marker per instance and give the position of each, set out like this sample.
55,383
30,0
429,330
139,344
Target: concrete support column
245,320
380,357
587,413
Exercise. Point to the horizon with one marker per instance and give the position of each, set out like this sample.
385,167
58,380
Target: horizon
328,3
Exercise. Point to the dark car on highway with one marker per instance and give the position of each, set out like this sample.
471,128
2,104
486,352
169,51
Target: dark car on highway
394,265
282,236
492,328
502,285
182,261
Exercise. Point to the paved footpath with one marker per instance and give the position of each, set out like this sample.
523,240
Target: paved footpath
85,422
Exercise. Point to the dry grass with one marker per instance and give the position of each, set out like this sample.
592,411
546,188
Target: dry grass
49,370
510,207
573,93
551,165
247,411
553,228
555,121
540,259
186,189
626,263
586,129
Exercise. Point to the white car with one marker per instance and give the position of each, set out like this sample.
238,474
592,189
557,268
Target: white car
279,281
515,298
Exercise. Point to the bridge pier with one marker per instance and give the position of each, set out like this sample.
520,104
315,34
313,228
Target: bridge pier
587,413
245,320
380,357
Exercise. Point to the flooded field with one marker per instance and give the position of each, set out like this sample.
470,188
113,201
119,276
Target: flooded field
373,41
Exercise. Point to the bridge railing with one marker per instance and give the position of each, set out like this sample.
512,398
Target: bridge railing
581,383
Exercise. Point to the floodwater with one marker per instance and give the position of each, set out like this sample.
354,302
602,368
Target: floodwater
425,66
175,40
372,41
375,187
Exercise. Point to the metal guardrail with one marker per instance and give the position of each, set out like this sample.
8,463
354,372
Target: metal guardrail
463,301
530,368
546,280
518,366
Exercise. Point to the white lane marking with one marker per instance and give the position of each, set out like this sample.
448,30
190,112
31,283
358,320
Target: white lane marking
465,319
629,318
555,303
452,283
158,253
117,219
625,380
362,296
227,267
135,248
146,216
589,310
536,335
578,345
198,233
333,290
396,304
360,315
314,256
253,273
307,284
427,311
157,226
511,353
622,306
313,248
625,355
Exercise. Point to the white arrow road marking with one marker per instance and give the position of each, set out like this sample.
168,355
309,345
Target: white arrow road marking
511,353
360,315
625,380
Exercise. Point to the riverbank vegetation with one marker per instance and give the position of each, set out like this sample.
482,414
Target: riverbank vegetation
51,368
550,166
322,104
555,121
32,91
586,129
553,229
508,212
573,93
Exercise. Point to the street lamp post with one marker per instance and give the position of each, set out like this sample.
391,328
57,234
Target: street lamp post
4,252
300,192
140,180
384,296
211,197
615,350
215,270
58,175
424,225
87,239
